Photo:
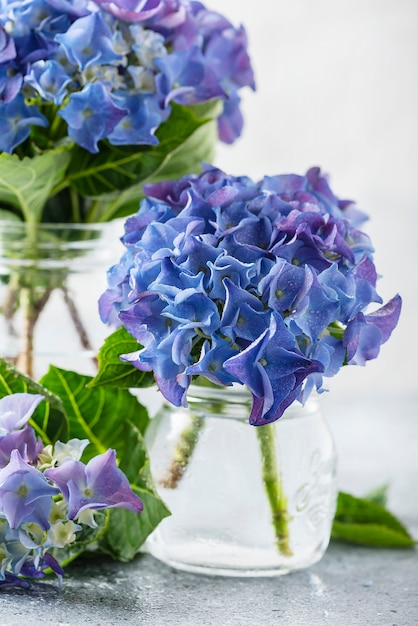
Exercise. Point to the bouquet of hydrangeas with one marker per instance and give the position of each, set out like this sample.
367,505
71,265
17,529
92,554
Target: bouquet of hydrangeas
262,284
49,498
96,97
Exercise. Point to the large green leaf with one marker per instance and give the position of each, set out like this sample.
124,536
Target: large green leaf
367,523
115,176
186,159
101,415
114,372
49,419
27,184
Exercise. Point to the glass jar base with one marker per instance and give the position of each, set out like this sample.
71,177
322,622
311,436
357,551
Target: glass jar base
226,560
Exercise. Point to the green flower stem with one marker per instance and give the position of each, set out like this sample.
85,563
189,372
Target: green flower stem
274,488
183,453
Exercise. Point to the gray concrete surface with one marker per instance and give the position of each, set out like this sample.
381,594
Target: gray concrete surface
351,586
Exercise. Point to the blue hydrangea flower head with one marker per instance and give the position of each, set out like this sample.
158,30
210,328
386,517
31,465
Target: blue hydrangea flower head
138,56
264,284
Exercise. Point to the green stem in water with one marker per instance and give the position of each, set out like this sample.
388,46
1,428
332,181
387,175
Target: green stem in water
274,488
183,453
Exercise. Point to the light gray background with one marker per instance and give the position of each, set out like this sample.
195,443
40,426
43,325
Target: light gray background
337,87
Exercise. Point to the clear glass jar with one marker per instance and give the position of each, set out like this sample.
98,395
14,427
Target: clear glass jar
51,276
245,500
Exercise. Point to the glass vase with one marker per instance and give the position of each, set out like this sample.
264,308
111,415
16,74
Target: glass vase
245,500
51,276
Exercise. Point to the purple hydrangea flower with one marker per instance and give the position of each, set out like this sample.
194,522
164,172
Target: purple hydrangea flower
15,433
23,440
36,509
25,494
89,41
98,485
132,10
365,333
11,80
264,284
33,47
7,47
186,78
16,410
74,8
273,369
140,123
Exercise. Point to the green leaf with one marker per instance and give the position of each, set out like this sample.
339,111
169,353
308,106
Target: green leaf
362,522
27,184
49,420
185,157
126,531
100,415
373,535
378,495
116,174
114,372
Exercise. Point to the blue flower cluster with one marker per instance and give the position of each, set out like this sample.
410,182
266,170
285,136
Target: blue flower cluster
47,495
263,284
111,69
